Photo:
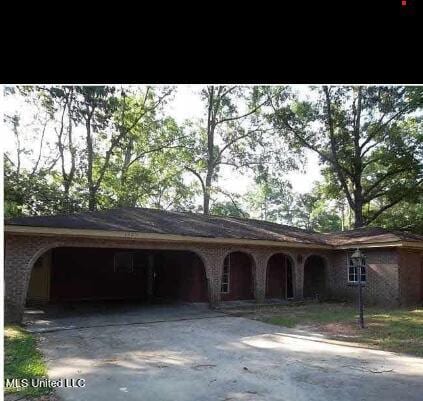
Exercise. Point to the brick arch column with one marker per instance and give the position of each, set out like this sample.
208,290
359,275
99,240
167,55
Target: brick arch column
213,258
260,259
20,255
299,276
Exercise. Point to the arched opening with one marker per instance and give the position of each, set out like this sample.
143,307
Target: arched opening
79,274
279,277
314,277
237,277
39,282
179,276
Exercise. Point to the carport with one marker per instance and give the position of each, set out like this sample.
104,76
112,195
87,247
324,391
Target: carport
156,255
77,274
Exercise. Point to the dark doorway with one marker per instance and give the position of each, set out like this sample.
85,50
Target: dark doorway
279,280
96,274
179,276
77,274
314,277
237,278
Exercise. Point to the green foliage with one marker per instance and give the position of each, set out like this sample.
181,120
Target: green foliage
272,199
147,168
228,208
29,193
132,156
115,146
314,212
234,133
368,138
22,360
403,216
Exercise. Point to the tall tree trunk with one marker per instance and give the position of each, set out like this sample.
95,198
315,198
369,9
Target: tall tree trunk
90,157
123,198
210,152
358,165
92,201
71,175
358,213
206,195
67,178
66,201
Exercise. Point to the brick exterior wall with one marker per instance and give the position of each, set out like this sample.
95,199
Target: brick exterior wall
382,283
411,277
385,285
21,252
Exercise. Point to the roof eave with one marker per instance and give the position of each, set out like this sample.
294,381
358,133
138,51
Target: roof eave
387,244
132,235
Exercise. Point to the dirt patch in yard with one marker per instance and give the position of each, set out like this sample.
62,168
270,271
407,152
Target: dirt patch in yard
398,330
338,329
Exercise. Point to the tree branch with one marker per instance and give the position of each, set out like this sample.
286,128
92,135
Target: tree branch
229,144
34,170
198,176
233,202
383,209
8,158
391,173
168,145
395,116
224,120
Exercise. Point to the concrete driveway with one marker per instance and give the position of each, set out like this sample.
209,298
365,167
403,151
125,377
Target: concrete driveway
190,353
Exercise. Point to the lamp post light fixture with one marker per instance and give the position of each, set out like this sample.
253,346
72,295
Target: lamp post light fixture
359,263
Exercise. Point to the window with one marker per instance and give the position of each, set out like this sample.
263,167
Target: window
124,262
353,271
225,275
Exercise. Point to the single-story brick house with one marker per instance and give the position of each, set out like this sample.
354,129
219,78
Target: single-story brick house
146,254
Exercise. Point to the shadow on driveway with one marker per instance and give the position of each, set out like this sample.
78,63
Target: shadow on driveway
190,353
72,316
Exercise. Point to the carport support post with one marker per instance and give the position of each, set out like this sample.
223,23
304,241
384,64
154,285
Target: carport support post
360,300
260,276
359,263
150,278
298,279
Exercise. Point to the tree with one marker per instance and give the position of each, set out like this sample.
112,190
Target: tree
147,167
228,208
272,198
228,136
95,107
403,216
313,211
28,188
368,137
59,105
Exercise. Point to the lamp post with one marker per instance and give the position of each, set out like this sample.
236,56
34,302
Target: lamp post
358,262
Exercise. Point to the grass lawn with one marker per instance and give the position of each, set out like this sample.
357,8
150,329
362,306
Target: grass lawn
398,330
22,360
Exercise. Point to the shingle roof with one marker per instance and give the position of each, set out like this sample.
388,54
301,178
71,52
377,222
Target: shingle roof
155,221
177,223
370,235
